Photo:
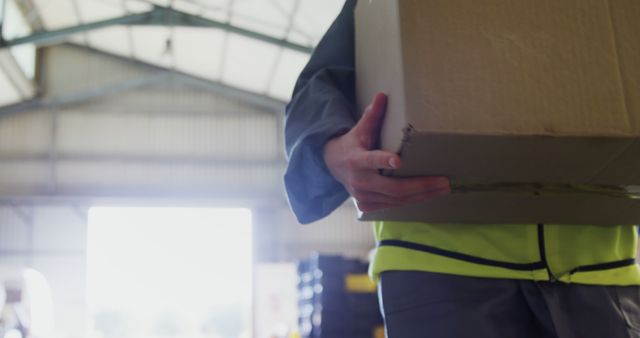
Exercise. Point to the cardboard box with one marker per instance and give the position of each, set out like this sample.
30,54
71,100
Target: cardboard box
532,108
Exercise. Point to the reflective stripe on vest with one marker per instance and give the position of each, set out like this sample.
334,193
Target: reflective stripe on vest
542,264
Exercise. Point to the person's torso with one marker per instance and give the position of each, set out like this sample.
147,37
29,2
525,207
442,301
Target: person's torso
583,254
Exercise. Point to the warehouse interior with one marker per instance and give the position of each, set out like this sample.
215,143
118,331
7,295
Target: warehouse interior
141,162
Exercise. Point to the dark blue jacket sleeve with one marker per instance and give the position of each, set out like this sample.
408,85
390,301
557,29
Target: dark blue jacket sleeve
322,107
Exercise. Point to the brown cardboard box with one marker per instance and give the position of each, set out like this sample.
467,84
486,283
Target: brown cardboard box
532,108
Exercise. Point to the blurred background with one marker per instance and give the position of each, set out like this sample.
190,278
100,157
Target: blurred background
141,156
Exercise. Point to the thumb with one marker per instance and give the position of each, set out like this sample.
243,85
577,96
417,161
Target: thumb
368,127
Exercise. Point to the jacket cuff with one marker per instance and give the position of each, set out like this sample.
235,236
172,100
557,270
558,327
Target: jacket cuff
312,191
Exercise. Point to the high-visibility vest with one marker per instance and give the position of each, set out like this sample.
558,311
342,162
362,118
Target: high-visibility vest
584,254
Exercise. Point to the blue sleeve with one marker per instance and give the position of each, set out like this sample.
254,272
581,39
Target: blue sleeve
322,107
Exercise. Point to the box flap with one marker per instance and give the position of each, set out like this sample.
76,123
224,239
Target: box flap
379,64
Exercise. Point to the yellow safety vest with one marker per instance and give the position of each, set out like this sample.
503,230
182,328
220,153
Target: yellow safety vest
584,254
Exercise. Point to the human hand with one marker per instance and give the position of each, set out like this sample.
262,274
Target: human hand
353,162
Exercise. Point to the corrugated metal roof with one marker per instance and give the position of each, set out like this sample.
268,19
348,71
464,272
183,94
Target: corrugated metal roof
218,54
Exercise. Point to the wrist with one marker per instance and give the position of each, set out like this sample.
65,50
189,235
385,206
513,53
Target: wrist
332,151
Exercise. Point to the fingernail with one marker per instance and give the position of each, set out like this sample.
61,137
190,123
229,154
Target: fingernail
393,162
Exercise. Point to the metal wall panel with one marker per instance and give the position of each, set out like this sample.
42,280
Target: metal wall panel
167,180
14,232
161,135
27,133
51,240
171,95
252,136
24,177
72,69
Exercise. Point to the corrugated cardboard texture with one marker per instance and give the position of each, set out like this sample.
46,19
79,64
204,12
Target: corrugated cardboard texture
501,91
626,29
543,67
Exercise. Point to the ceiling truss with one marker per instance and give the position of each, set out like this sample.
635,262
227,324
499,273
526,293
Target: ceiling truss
158,16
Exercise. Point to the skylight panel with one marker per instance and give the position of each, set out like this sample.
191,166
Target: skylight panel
198,51
248,63
114,39
57,14
266,17
92,11
154,44
287,71
313,18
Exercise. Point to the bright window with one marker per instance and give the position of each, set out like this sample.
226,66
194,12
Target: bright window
169,272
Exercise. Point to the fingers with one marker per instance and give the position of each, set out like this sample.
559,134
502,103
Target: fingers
402,187
376,159
373,197
381,202
373,192
368,126
352,162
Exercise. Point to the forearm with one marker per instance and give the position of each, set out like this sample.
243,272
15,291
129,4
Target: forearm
318,113
321,108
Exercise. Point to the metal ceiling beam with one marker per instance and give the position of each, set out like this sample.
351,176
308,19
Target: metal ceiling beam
158,16
157,75
93,93
146,159
80,96
60,35
266,103
211,198
30,13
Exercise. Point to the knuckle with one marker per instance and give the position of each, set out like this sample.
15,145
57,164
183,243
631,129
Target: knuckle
368,160
352,163
364,140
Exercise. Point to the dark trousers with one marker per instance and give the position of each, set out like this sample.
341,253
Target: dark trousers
432,305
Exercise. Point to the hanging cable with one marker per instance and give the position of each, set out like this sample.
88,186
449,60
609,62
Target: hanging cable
169,50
